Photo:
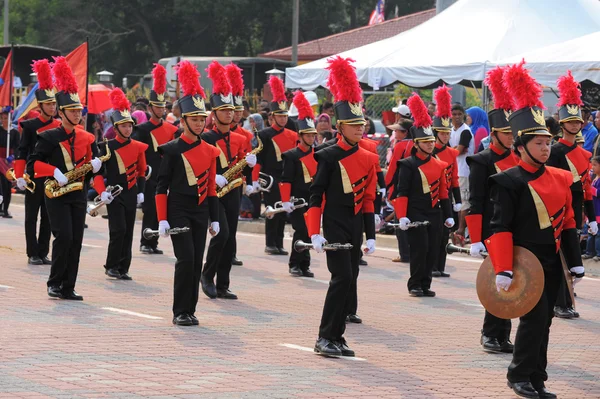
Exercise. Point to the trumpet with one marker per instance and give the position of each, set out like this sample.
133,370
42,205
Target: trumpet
301,246
149,172
451,248
92,210
266,182
10,175
271,211
149,233
411,225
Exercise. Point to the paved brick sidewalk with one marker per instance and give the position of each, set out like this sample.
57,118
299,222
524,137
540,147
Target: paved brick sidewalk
261,345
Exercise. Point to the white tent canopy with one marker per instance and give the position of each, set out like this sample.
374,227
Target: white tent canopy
462,42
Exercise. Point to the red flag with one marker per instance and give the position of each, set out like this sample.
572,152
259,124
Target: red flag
5,82
78,61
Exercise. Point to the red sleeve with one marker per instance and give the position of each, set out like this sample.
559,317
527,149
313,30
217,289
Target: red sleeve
20,167
312,217
43,169
400,204
369,195
212,173
142,166
443,182
255,172
393,163
587,187
285,189
500,248
99,185
474,224
242,147
161,206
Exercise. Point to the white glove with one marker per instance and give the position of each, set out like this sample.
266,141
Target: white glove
140,198
317,241
249,190
163,226
378,222
60,178
370,247
593,228
251,159
578,272
404,223
288,207
449,223
21,183
221,181
96,165
106,197
476,249
215,227
457,207
382,191
256,186
503,282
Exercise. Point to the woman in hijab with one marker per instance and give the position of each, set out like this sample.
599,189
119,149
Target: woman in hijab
480,127
140,117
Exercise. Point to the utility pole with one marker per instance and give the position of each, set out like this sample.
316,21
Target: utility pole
295,26
441,5
6,22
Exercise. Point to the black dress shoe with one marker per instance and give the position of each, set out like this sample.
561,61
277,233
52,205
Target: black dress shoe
362,262
444,274
114,273
195,321
562,313
343,345
307,273
104,216
523,389
490,344
208,287
282,251
272,250
85,226
429,293
295,271
506,346
157,251
183,320
573,312
545,393
125,276
46,260
145,249
417,292
54,292
352,318
35,260
7,215
435,273
236,262
404,260
73,296
226,294
326,347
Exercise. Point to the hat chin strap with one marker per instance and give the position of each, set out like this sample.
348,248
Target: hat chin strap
154,113
119,131
190,129
495,133
419,147
531,156
67,118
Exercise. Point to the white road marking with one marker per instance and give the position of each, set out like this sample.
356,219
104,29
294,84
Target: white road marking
129,312
91,246
594,279
5,286
305,349
477,305
316,280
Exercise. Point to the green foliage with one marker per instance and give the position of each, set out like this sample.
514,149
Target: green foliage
473,99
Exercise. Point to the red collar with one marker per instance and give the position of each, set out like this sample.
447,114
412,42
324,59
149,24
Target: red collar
497,150
154,123
439,145
186,139
529,168
567,143
421,157
345,146
276,128
120,139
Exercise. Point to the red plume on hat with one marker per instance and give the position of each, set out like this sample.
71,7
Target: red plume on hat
236,80
189,79
44,75
502,98
525,90
443,101
345,85
159,76
305,111
569,91
419,111
118,100
65,80
218,75
277,89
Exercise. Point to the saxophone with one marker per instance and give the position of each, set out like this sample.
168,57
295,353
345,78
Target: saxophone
74,177
233,181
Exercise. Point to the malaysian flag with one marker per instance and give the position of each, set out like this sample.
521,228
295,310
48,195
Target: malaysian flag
377,15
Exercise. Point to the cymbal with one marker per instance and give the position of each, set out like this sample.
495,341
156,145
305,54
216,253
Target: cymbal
525,290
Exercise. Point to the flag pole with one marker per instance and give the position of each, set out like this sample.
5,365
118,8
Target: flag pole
10,91
87,74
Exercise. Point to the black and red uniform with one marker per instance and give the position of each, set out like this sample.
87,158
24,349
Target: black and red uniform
5,164
230,148
345,180
34,202
236,128
276,141
186,197
126,168
154,135
299,168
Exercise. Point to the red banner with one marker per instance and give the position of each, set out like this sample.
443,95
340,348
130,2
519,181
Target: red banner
78,60
5,82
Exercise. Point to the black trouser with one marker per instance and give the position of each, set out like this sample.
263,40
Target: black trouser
34,205
121,221
564,296
6,193
424,242
67,217
495,327
184,211
150,220
403,247
274,227
299,259
340,226
222,246
256,202
440,266
531,343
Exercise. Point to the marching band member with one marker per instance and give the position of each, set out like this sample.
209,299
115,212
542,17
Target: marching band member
38,247
299,167
422,190
346,177
125,168
441,131
495,334
154,133
6,161
276,140
231,148
532,208
58,151
186,194
567,155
